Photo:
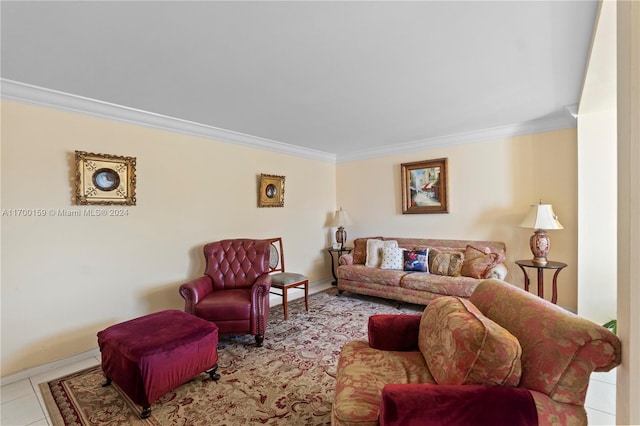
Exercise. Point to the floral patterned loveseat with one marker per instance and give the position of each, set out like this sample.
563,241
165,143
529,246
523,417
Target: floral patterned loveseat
442,367
478,260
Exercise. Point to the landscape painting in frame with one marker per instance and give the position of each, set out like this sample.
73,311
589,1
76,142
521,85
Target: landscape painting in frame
425,186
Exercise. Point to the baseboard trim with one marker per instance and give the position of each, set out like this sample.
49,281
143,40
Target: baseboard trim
44,368
274,300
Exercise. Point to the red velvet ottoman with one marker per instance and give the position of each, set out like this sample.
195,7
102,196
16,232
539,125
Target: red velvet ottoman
151,355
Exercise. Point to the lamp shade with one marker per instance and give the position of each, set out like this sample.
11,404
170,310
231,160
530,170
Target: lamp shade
341,219
541,216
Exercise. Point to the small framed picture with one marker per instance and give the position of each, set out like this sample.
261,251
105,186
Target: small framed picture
271,191
425,187
104,179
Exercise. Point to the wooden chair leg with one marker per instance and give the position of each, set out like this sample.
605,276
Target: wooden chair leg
306,295
284,302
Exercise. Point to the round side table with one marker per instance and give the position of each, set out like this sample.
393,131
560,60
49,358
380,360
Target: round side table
331,251
558,266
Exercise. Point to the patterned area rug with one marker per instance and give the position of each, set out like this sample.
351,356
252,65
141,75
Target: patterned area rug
289,381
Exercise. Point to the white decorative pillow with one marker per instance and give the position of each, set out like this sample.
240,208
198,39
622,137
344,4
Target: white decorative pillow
374,252
392,258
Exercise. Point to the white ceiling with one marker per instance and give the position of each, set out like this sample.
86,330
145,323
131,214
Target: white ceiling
339,77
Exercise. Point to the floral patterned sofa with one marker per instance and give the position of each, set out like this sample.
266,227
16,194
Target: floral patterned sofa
504,356
477,260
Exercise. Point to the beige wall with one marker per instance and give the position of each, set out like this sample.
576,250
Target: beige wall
65,278
597,174
597,217
491,186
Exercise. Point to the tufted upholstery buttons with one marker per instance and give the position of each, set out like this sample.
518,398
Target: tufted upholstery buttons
236,263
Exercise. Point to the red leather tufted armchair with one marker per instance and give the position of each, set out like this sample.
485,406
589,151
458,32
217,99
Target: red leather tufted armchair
234,291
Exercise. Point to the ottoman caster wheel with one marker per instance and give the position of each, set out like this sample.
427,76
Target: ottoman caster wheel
212,373
106,382
146,412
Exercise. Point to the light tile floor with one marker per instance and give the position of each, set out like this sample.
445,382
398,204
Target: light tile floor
601,398
22,402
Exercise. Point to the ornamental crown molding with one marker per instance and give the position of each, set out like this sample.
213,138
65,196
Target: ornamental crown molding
563,121
26,93
40,96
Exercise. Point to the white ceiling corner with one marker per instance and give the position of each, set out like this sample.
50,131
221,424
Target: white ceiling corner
335,81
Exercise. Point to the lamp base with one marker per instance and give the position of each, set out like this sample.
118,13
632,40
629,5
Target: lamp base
341,236
540,244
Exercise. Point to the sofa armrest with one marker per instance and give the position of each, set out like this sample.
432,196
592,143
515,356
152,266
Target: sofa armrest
456,405
390,332
194,291
346,259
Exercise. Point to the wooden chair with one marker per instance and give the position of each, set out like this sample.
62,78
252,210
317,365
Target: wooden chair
282,280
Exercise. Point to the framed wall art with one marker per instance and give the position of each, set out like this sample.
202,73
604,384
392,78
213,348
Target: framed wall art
425,187
271,191
104,179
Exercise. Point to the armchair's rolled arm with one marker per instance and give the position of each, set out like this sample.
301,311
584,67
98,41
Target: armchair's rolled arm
260,303
261,287
260,292
195,290
435,405
390,332
346,259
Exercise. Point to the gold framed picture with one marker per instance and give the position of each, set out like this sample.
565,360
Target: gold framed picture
271,191
104,179
425,187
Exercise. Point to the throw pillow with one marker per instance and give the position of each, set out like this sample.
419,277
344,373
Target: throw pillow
416,260
446,263
479,262
374,251
360,249
461,346
392,258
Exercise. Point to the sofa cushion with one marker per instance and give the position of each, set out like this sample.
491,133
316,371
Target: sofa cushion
479,262
374,251
362,373
392,258
461,346
446,263
416,260
439,284
364,274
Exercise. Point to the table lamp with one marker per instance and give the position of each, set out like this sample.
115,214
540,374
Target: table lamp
541,218
341,220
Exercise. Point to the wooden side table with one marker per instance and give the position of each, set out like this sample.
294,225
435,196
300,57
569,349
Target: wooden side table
558,266
340,251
